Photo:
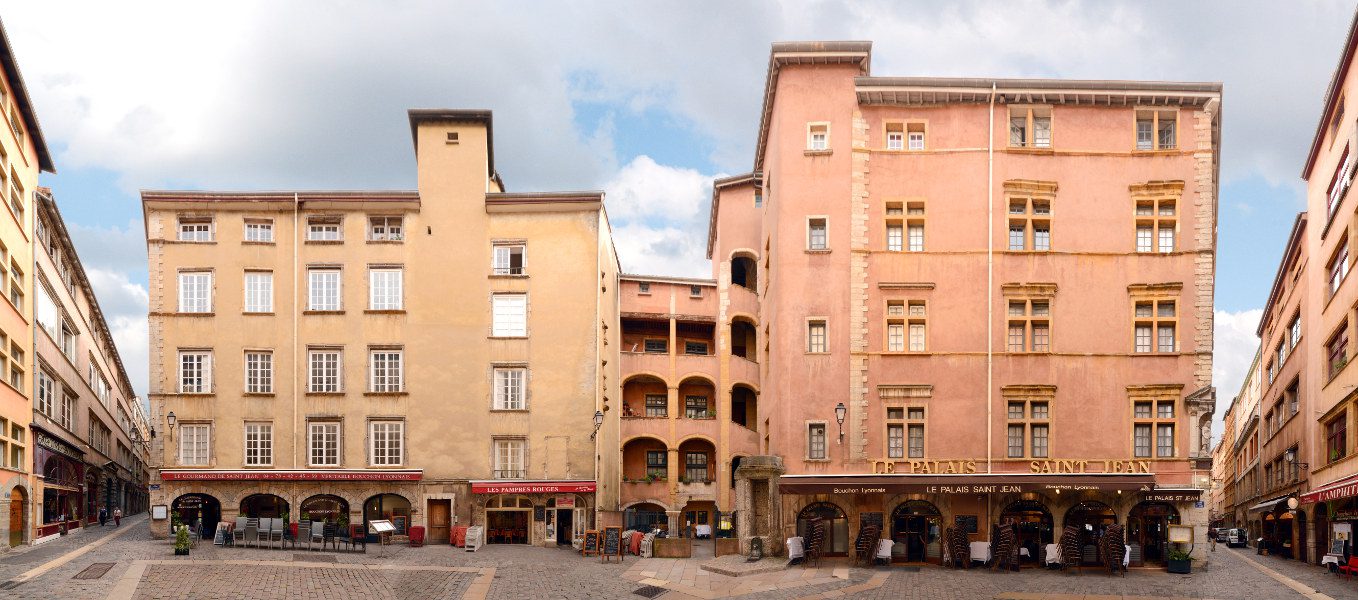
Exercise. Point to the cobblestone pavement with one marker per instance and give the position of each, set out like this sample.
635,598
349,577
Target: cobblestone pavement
145,568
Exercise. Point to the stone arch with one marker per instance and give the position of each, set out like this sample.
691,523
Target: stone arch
744,269
696,436
705,377
743,332
660,503
639,374
746,252
648,436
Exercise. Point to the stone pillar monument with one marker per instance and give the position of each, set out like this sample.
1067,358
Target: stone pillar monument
757,503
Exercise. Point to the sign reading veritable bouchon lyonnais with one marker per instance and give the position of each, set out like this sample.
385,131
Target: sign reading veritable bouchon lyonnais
317,475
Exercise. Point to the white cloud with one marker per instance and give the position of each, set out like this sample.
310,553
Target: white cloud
644,190
1235,343
124,305
648,250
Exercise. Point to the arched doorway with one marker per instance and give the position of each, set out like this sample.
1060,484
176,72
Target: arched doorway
264,506
1148,527
836,527
645,517
325,507
744,272
192,509
507,518
18,501
1283,526
386,507
1092,519
567,518
1301,536
1322,526
915,529
1034,526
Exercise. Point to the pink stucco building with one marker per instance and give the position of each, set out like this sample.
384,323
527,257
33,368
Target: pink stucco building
937,303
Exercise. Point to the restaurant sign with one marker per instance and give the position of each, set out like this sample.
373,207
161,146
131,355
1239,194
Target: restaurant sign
968,466
1344,488
532,487
373,475
946,484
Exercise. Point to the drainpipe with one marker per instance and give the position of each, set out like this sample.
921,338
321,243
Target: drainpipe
296,210
990,287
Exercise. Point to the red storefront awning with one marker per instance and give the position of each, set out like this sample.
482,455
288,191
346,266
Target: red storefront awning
531,487
308,475
1337,490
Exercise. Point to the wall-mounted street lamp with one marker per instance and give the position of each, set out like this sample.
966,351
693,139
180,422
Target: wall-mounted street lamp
840,409
1291,457
169,422
598,422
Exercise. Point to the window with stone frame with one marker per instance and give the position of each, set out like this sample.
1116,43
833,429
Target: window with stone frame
1157,129
1154,422
1028,420
1155,215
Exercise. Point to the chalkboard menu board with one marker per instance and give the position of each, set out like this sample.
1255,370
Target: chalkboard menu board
220,538
612,543
870,518
539,513
591,545
966,523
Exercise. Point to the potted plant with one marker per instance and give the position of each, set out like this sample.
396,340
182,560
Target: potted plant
181,541
1178,561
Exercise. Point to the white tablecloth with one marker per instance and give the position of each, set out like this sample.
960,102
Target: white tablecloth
1024,552
702,530
884,548
1054,553
980,551
1126,555
1330,559
795,549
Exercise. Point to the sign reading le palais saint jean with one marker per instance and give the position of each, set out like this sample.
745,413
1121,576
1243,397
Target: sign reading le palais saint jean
968,466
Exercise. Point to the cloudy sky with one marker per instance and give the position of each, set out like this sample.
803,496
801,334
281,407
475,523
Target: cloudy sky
646,102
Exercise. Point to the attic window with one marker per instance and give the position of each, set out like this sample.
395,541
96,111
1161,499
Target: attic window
452,137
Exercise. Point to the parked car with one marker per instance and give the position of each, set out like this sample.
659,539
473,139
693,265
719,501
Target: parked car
1237,538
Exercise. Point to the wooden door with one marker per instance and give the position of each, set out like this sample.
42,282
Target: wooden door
440,513
16,518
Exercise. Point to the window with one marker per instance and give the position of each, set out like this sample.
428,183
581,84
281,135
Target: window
695,407
323,289
509,388
656,346
657,405
509,315
1029,214
915,136
259,231
509,261
509,459
1337,437
895,440
195,372
195,292
385,371
386,443
195,230
386,229
258,372
895,337
1295,329
895,237
1029,325
385,288
1337,350
1338,267
258,291
47,394
816,236
916,321
1030,127
815,337
695,291
323,440
644,288
1029,423
1155,323
916,237
1339,182
695,466
695,348
657,464
1153,415
16,286
194,444
1156,209
1156,130
324,229
818,136
815,441
895,136
258,444
323,372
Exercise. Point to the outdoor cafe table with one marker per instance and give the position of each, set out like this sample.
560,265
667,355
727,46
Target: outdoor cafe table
980,551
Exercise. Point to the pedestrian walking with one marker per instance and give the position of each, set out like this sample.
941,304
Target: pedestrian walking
1213,539
117,517
103,516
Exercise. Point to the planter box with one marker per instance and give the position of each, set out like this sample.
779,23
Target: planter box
178,552
671,548
726,546
1182,567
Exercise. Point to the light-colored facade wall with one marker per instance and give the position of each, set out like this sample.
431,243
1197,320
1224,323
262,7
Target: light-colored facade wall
444,329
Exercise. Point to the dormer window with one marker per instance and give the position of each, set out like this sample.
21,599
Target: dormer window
386,229
324,229
1157,130
195,229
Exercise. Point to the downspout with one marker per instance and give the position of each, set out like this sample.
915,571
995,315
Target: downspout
990,287
296,210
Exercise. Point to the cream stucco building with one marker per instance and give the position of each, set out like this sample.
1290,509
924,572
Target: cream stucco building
433,356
